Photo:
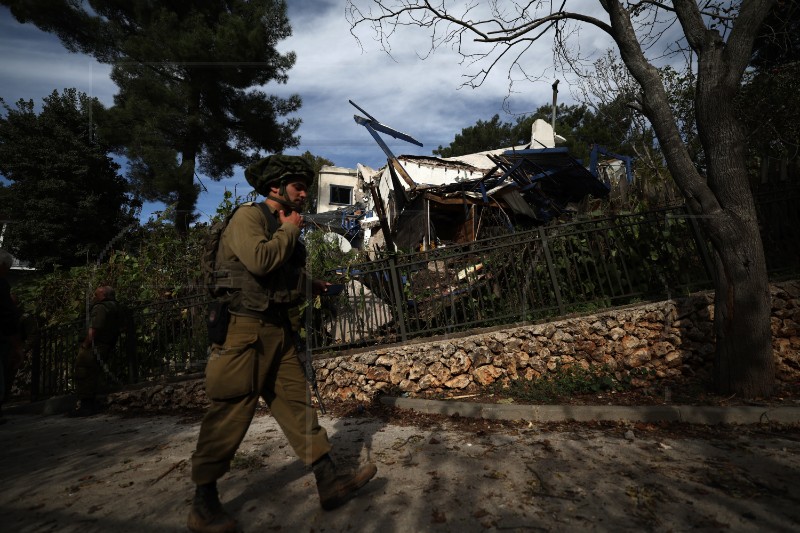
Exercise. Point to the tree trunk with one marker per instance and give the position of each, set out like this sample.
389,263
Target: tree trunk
721,198
187,191
184,212
186,198
744,363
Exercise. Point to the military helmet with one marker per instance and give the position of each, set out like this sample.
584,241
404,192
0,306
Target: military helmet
278,169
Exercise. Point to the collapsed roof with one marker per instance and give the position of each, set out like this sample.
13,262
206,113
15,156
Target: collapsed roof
538,183
522,186
422,200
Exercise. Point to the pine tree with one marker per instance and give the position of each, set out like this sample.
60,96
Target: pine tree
188,75
66,201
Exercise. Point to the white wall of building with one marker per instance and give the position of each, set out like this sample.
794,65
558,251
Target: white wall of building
337,179
425,172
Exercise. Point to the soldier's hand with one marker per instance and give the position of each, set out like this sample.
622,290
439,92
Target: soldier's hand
319,286
293,217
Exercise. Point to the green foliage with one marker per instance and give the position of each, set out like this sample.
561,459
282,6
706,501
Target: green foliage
494,134
156,263
614,97
230,201
633,255
770,106
148,264
595,264
66,200
58,297
189,76
562,383
484,135
324,255
580,126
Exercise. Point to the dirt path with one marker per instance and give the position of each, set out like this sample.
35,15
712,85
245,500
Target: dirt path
112,474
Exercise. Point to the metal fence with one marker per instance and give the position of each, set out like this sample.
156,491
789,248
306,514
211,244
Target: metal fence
163,338
531,276
553,271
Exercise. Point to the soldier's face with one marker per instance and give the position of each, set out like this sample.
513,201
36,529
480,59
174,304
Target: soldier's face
297,192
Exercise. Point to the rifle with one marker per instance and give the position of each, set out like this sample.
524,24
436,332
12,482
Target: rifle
303,347
305,357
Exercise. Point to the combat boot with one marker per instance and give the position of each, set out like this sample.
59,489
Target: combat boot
336,488
207,514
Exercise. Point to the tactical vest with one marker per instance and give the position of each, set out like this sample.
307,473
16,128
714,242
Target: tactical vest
258,295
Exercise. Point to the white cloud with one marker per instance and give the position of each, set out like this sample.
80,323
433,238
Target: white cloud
423,98
35,64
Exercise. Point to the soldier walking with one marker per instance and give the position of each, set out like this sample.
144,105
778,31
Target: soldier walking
259,273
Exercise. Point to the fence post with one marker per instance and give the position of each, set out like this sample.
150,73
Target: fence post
551,268
395,281
131,355
36,370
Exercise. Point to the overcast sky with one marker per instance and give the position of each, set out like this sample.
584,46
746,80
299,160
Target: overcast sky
418,97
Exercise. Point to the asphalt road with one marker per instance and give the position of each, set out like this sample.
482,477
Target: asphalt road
113,474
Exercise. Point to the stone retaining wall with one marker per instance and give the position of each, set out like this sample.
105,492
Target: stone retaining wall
666,340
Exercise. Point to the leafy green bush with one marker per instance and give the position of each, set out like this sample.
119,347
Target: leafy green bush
148,263
564,382
325,256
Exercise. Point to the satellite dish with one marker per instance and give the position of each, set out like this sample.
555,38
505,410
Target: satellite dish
338,240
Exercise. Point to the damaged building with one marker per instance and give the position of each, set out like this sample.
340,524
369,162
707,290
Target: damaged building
423,202
433,204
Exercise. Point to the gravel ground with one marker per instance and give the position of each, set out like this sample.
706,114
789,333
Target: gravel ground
131,474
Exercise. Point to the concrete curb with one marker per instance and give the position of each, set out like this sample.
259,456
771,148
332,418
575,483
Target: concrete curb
691,414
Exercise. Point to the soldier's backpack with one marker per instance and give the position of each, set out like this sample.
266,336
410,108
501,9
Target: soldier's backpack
208,260
218,315
211,245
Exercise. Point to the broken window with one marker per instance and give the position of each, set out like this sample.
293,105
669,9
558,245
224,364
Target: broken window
341,195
